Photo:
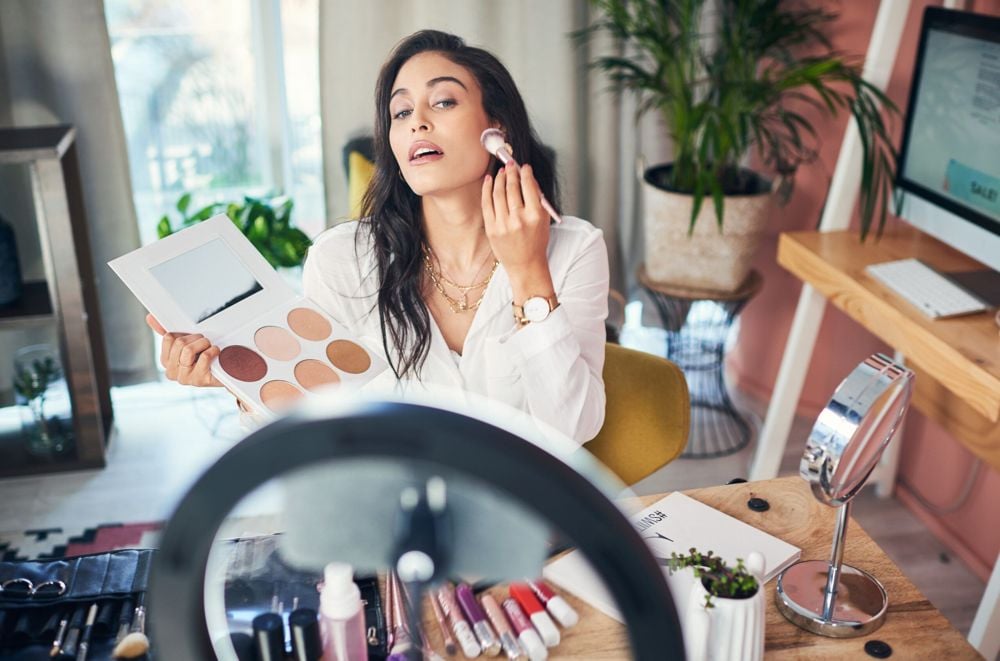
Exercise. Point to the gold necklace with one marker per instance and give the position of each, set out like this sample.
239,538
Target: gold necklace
457,305
428,263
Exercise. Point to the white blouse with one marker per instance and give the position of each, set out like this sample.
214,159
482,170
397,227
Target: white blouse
551,370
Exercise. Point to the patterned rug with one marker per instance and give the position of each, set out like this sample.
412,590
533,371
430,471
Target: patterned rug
49,543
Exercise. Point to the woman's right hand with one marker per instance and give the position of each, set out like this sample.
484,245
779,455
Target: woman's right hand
186,357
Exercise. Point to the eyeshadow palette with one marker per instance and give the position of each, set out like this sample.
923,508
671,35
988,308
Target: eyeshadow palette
277,346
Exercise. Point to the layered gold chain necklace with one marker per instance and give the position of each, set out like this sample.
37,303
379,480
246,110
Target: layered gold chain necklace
439,280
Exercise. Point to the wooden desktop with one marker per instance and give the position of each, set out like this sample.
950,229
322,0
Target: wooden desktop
913,628
957,360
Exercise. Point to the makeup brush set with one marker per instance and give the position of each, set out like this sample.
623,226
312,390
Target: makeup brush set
86,607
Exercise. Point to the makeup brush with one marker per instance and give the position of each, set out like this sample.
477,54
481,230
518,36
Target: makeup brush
494,142
135,644
57,643
88,627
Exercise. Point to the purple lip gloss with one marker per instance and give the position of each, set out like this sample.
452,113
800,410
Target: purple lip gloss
466,639
480,625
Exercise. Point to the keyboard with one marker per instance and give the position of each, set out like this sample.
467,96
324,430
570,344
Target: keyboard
926,289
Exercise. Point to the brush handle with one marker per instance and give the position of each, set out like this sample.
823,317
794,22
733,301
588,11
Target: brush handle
505,157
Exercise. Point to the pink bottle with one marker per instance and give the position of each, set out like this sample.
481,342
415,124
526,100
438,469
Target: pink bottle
342,615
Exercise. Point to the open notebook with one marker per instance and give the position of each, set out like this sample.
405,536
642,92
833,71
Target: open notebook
676,523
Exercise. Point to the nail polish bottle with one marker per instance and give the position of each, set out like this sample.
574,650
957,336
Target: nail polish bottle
342,615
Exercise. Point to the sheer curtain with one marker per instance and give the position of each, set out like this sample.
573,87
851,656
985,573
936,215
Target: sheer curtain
55,67
593,132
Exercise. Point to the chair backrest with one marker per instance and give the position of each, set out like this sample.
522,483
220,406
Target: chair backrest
648,414
359,164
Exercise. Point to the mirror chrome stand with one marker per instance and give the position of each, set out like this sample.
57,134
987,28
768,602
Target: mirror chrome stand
831,598
828,597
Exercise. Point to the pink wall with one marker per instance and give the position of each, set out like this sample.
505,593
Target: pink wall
932,459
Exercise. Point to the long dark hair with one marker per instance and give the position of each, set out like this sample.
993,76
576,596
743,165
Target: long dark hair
392,211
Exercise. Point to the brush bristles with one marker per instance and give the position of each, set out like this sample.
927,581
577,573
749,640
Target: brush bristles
492,140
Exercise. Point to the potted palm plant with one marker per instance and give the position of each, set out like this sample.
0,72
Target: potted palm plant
731,79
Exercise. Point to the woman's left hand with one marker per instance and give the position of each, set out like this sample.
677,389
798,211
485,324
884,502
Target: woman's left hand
516,224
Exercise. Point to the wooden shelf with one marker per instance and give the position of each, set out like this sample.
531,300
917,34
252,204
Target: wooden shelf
33,307
66,299
22,145
957,360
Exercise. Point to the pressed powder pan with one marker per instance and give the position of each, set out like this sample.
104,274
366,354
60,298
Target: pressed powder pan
309,325
348,356
242,363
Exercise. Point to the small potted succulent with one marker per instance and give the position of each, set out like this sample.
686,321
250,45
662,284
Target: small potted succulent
725,602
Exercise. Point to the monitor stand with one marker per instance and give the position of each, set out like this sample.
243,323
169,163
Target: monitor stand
984,284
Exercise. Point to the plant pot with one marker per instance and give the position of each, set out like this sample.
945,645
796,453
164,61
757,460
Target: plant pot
707,258
732,629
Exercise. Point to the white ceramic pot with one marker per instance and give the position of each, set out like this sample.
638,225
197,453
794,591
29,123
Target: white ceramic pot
706,258
733,629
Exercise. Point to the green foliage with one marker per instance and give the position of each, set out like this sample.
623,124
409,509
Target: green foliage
265,221
32,382
742,86
719,579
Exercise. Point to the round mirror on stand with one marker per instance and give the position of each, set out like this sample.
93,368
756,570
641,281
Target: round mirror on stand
829,597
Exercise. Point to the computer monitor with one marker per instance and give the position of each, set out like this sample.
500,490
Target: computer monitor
949,165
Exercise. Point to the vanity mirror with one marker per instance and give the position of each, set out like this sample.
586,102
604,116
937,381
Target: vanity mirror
829,597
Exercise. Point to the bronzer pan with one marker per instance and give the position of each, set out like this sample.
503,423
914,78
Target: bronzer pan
277,346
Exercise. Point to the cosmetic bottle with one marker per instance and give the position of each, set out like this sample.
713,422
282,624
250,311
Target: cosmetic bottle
342,615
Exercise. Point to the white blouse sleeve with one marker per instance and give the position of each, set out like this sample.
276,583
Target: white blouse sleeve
560,361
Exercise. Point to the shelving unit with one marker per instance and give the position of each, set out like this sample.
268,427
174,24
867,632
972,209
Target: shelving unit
66,299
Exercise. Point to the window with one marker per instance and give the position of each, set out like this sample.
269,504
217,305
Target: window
219,99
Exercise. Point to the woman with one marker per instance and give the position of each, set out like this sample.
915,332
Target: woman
455,272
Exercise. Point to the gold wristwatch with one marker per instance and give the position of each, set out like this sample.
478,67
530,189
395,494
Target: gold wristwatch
535,309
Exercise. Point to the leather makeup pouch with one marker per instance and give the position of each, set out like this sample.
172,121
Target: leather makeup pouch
44,604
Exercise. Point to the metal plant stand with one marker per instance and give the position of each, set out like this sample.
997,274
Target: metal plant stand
698,323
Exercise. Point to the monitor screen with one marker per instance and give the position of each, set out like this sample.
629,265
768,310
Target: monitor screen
950,154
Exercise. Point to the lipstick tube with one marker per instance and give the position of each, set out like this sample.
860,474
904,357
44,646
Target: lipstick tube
463,634
558,607
480,625
525,598
526,634
499,621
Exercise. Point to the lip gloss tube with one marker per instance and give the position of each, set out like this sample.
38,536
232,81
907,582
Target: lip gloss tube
558,607
480,625
507,638
525,598
526,633
463,634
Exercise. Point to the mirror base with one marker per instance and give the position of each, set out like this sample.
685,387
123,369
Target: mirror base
859,607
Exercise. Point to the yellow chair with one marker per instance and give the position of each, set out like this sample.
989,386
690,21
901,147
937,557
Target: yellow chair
359,166
648,414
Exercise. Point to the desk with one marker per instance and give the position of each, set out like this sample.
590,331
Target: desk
957,361
913,627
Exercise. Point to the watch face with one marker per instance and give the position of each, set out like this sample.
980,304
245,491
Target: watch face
536,308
